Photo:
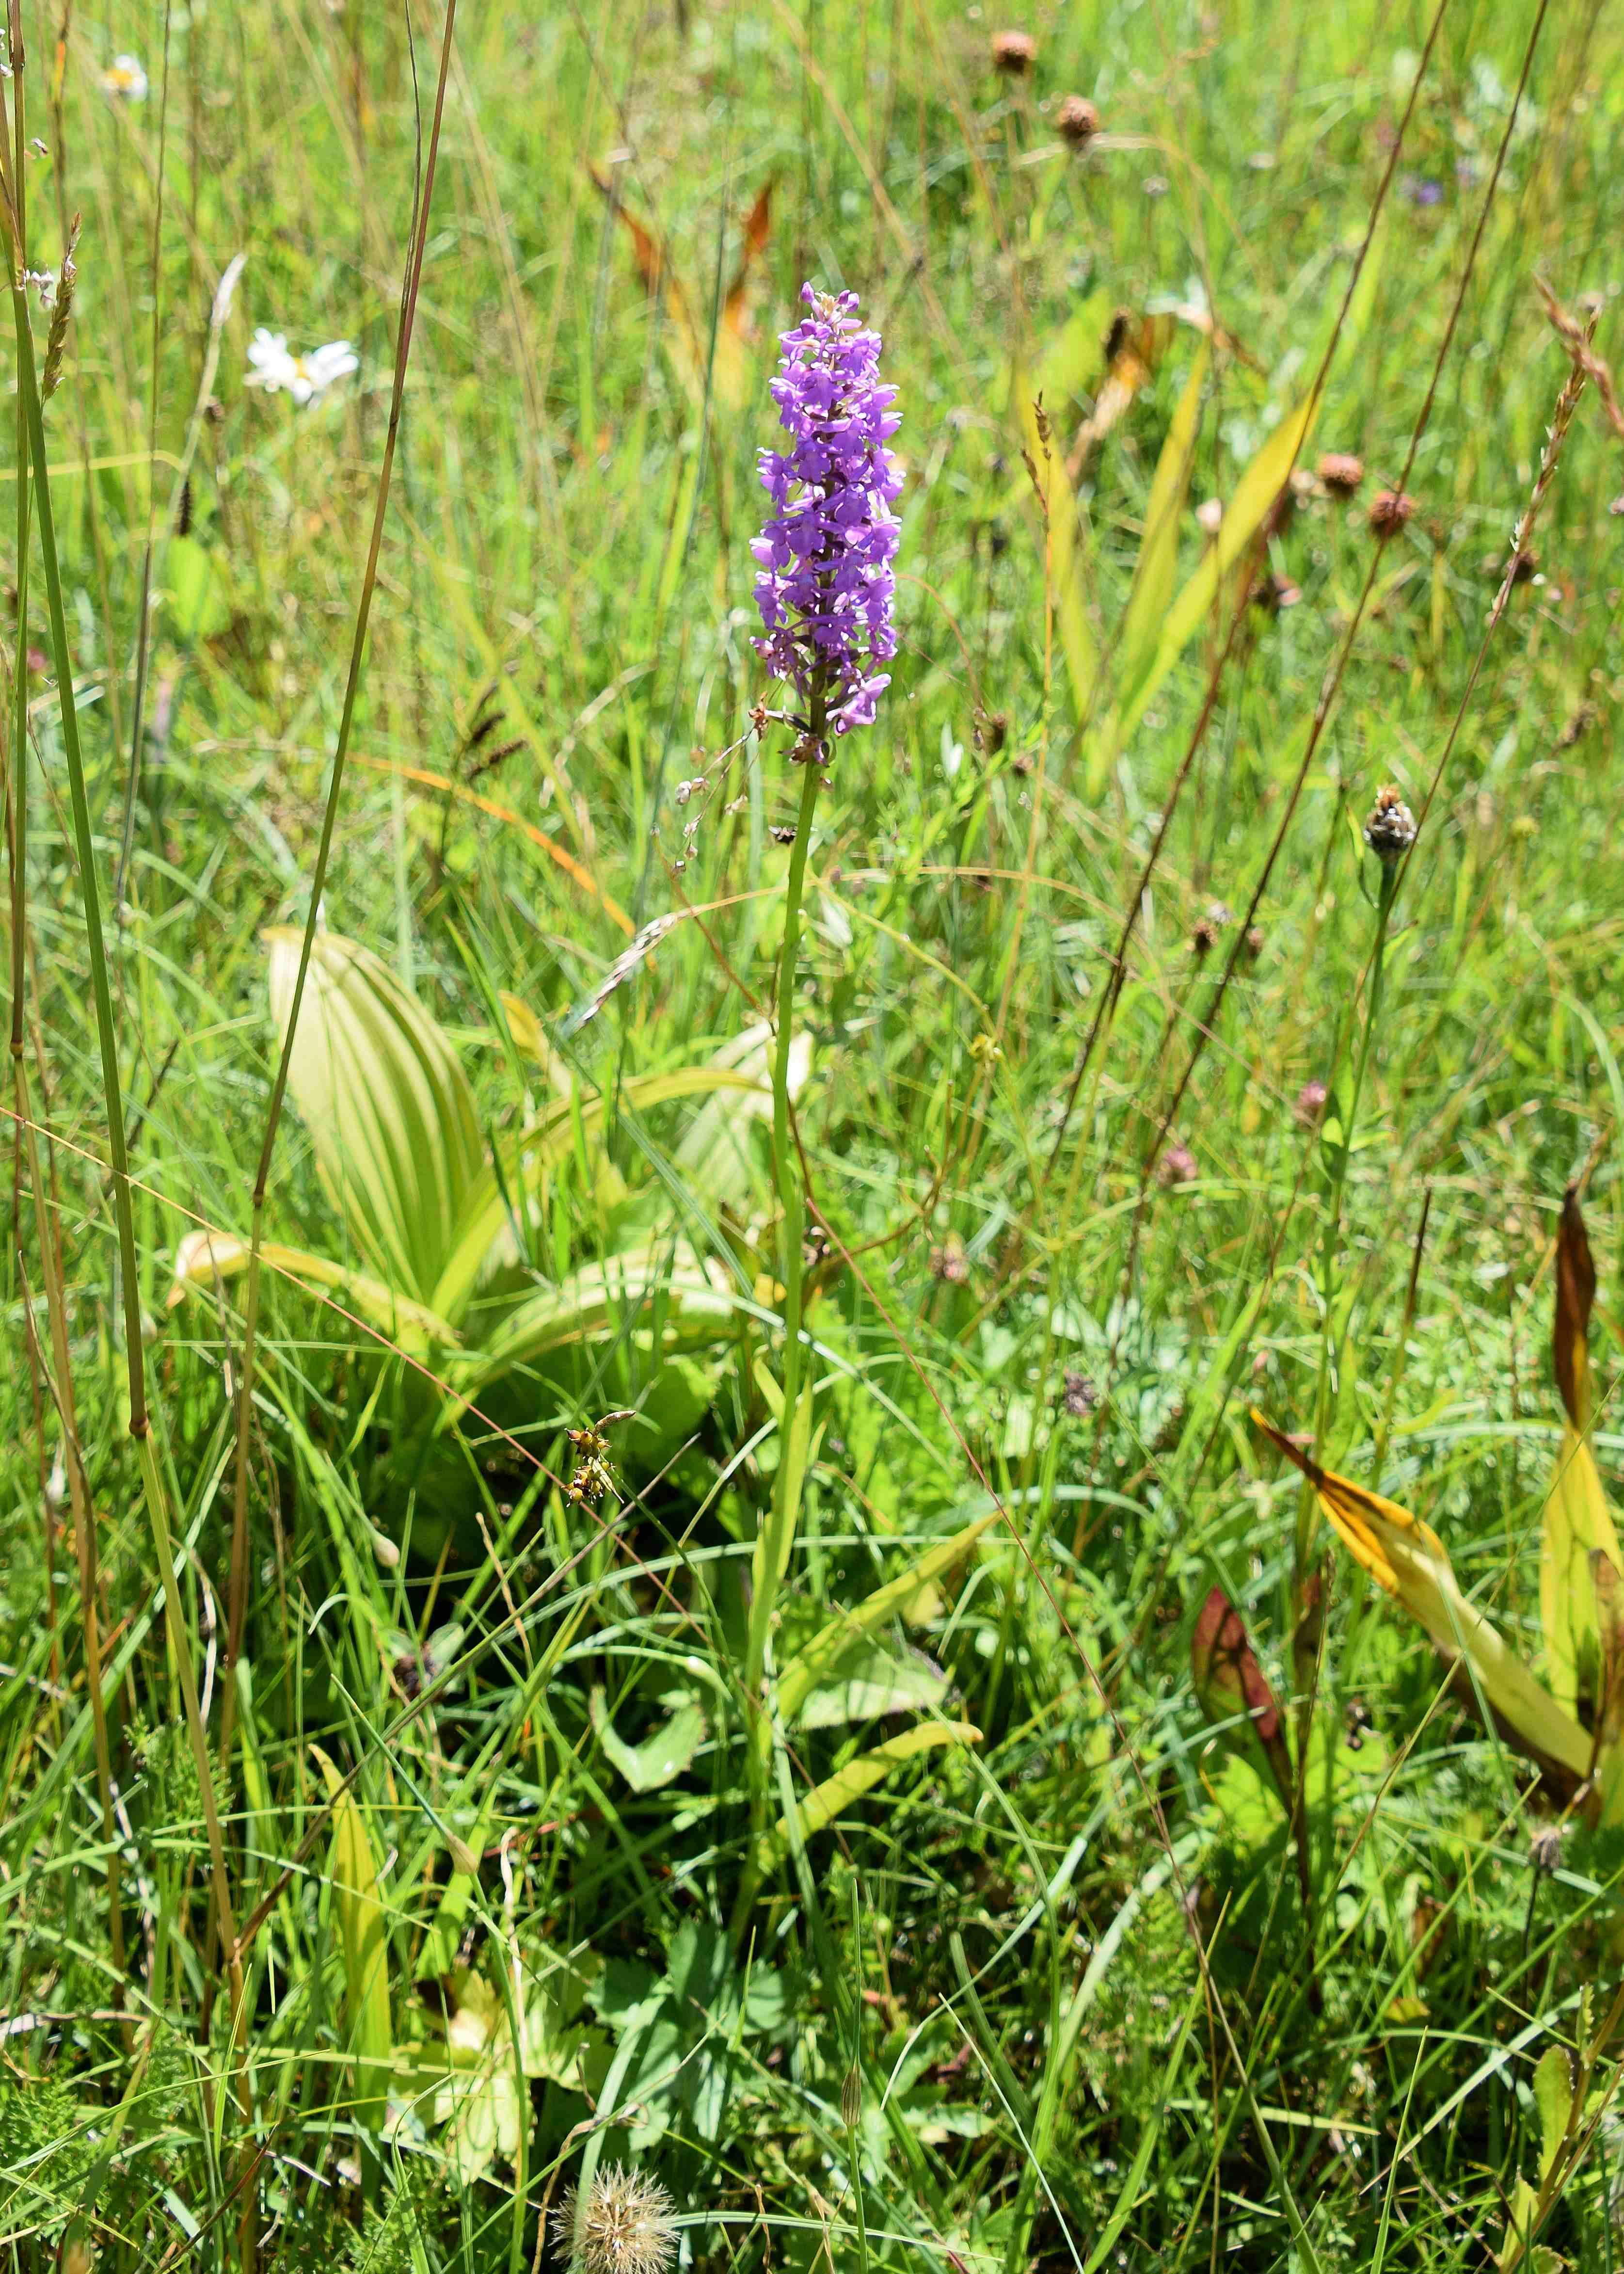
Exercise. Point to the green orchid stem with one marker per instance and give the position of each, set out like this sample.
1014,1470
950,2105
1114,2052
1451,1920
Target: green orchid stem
778,1533
1308,1506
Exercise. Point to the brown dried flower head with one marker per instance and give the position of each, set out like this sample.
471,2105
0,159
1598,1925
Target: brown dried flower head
624,2225
1080,1396
1014,53
1204,937
949,1261
1389,510
1077,121
1255,941
1389,826
1341,473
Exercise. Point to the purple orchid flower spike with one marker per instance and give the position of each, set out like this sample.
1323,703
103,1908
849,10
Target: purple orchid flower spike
826,588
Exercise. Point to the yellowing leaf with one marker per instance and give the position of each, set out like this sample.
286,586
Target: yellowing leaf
1061,571
1254,493
1407,1558
202,1257
1158,561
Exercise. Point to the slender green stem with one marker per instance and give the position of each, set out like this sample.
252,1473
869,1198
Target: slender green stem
1307,1506
777,1537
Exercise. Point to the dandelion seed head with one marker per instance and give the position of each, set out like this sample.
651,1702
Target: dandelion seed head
624,2224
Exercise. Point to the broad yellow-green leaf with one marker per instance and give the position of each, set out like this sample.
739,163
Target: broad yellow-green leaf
1553,2098
814,1664
1407,1558
868,1680
697,1305
1577,1526
202,1257
1158,561
827,1801
364,1938
662,1756
1254,493
387,1106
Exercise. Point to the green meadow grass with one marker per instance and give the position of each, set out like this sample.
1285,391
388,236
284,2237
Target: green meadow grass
531,1885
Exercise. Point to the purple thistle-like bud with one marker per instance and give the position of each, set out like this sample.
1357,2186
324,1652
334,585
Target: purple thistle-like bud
826,588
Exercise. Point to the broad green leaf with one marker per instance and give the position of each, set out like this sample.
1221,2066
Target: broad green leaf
1060,577
1407,1558
660,1757
828,1800
484,1234
200,590
866,1681
814,1664
387,1106
1553,2098
467,2080
697,1305
202,1257
715,1155
1158,561
1577,1526
364,1939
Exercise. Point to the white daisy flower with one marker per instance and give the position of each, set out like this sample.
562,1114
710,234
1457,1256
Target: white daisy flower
304,377
125,79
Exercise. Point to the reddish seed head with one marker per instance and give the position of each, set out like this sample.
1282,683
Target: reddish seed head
1255,942
1341,473
1204,939
1077,121
1014,52
1177,1166
1309,1103
1389,510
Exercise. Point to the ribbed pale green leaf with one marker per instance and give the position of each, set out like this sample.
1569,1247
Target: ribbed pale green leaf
387,1106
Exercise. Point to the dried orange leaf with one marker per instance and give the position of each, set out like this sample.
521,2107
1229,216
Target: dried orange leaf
1407,1557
